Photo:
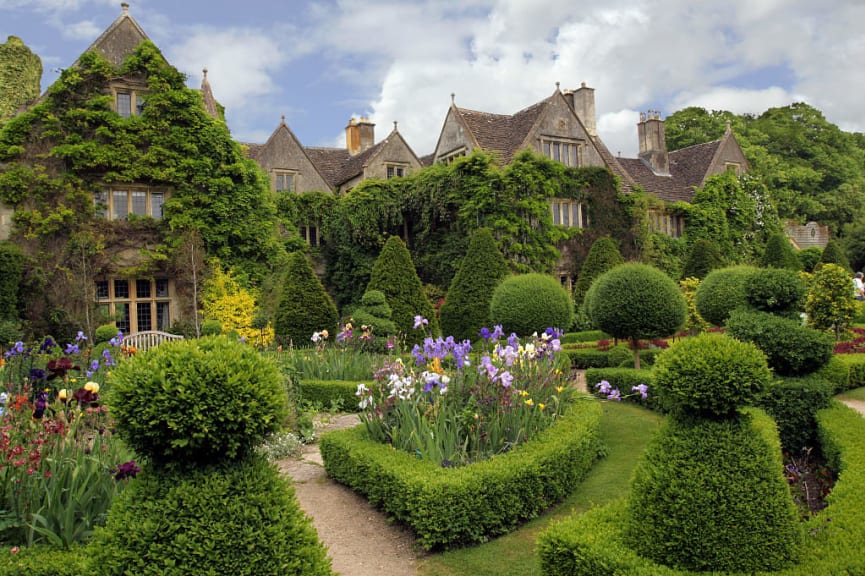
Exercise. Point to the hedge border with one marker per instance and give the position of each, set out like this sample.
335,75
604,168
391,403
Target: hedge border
615,356
448,507
624,379
327,392
844,371
591,543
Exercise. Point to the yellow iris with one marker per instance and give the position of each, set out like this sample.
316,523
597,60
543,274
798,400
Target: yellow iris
530,402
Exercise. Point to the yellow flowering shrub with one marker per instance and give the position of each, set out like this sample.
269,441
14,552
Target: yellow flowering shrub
233,306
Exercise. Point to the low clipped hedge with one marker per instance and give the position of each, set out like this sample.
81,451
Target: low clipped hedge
793,403
624,379
329,392
591,544
614,357
44,561
845,372
448,507
584,336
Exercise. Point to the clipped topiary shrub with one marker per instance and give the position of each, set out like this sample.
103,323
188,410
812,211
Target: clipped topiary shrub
710,375
104,333
776,290
304,307
530,303
721,292
603,256
791,348
193,402
466,308
809,257
833,253
703,257
709,495
375,312
238,518
636,302
780,253
211,328
793,403
394,274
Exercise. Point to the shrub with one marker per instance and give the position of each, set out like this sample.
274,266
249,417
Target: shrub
703,257
830,304
793,403
467,307
791,349
603,256
694,322
238,518
44,561
104,333
197,401
775,290
12,265
530,303
809,258
211,328
710,495
710,374
721,292
304,307
624,379
780,253
394,274
583,358
10,332
375,312
833,253
844,371
234,307
636,302
327,393
584,336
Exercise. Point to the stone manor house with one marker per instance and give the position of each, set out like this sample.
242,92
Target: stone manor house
561,127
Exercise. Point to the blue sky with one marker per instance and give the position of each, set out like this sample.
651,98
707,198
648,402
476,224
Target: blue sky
320,62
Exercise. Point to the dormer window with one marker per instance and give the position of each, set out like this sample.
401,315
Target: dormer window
569,153
453,155
285,181
396,170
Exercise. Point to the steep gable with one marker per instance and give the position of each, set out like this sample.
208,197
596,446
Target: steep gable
283,153
120,39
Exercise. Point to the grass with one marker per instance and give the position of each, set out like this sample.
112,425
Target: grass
626,429
855,394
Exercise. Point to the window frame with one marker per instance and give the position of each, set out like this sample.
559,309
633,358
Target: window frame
569,213
567,151
106,202
126,306
283,173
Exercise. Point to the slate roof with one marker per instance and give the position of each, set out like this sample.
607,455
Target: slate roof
688,169
501,134
337,166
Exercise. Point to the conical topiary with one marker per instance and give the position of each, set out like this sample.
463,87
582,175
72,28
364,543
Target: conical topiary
703,257
375,313
834,254
780,253
305,307
466,308
394,274
603,256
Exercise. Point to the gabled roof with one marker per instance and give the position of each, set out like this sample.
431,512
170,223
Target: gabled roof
255,151
120,39
503,135
688,170
207,96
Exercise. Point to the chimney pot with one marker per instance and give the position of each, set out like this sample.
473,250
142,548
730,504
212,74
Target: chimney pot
125,7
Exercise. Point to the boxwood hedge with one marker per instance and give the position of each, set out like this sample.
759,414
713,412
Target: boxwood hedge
447,507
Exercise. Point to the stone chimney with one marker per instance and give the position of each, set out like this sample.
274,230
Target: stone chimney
653,143
583,101
359,135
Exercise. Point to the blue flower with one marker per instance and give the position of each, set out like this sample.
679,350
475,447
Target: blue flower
47,345
603,387
117,340
72,349
498,332
106,355
485,333
80,336
642,389
420,321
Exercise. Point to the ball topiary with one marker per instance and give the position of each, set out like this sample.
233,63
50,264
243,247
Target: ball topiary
530,303
791,348
604,255
710,375
466,308
104,333
196,401
636,302
238,518
710,495
211,328
721,292
775,290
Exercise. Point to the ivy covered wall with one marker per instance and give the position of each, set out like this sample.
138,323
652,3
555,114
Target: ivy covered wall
20,77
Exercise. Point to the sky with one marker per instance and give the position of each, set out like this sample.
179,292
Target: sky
321,62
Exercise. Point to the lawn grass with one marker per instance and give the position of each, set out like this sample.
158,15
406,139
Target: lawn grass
626,430
855,394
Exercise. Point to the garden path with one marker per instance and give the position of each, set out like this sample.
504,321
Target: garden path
857,405
359,538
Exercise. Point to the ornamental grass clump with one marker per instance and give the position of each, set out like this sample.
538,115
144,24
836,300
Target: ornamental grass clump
206,500
455,405
709,492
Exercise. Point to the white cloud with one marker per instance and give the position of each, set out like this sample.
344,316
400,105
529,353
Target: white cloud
737,100
83,30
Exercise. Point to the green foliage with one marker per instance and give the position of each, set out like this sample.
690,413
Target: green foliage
834,254
830,303
624,379
604,255
211,328
721,292
45,561
776,290
780,253
20,76
197,401
395,275
12,265
305,307
809,257
327,393
235,518
710,374
375,312
694,322
529,303
703,257
104,333
845,372
447,507
793,403
466,308
696,467
10,332
583,358
636,302
791,349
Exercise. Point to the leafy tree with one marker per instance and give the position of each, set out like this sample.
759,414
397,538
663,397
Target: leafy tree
466,308
528,303
780,253
695,125
233,306
394,274
702,259
694,323
636,302
830,303
305,307
834,254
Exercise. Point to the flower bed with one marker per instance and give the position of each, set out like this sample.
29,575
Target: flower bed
447,507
